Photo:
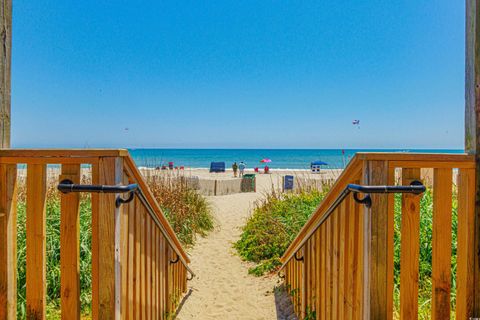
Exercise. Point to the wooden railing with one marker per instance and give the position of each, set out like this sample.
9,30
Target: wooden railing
340,266
139,269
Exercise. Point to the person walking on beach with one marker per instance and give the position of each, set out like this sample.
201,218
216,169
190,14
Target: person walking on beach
242,167
235,168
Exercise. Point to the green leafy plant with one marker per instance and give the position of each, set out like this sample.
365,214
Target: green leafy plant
275,222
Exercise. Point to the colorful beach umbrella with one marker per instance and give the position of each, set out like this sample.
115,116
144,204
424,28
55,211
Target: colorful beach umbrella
265,160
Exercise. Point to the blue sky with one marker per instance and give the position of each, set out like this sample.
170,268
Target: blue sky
238,74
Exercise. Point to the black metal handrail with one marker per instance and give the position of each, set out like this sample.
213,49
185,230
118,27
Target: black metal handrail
67,186
416,187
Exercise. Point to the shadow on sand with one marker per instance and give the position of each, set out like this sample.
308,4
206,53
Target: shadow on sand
283,304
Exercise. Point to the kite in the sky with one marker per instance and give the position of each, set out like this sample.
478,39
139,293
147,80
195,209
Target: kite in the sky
356,123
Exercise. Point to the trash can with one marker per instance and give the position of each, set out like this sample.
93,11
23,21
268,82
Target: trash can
287,183
249,183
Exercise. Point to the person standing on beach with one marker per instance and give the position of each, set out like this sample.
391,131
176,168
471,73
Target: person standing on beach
242,167
235,168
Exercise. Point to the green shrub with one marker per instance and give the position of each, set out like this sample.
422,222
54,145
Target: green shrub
273,225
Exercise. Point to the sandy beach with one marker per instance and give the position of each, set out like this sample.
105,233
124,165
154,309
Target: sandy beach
223,289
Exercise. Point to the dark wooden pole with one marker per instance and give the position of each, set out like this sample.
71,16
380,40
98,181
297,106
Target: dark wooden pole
472,123
5,69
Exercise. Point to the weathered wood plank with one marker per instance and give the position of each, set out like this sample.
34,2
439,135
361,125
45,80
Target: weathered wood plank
5,69
441,243
466,240
410,250
36,242
472,125
8,241
70,246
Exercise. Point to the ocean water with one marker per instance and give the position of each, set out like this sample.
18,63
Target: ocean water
281,158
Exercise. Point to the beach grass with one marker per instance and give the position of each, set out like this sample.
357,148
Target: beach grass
188,212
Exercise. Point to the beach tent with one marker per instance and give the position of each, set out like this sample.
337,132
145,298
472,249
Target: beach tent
316,165
217,167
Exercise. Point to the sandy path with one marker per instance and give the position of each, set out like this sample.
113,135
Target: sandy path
223,289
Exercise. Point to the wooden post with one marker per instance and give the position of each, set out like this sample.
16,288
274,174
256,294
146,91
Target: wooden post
106,242
70,246
36,241
5,69
375,249
8,241
472,124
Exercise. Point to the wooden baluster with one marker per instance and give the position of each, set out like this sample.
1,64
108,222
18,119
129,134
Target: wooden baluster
318,275
466,241
357,250
329,260
70,245
313,272
375,240
323,270
124,253
441,243
168,280
154,271
350,266
410,250
131,259
36,247
163,284
148,265
8,241
390,245
137,264
143,266
335,260
106,242
343,247
304,279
